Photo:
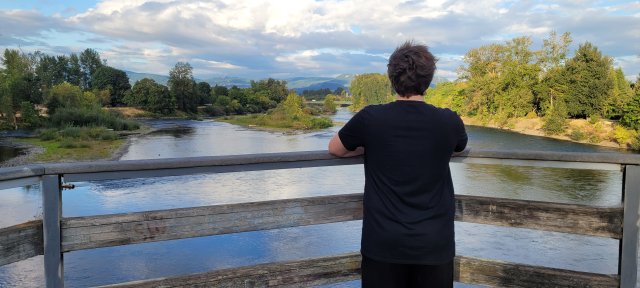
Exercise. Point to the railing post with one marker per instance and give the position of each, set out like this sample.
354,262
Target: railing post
628,265
52,213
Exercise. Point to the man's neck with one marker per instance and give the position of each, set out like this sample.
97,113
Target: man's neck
410,98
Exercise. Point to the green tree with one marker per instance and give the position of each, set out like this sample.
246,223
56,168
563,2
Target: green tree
553,84
204,92
555,122
115,80
501,79
447,95
588,82
619,95
329,105
554,51
368,89
151,96
16,84
218,91
182,87
89,64
73,69
275,90
29,115
293,105
66,95
631,112
47,72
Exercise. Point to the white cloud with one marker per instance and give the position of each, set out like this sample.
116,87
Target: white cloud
264,38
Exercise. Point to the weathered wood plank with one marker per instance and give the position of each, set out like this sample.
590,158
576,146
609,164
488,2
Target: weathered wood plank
504,274
111,230
333,269
121,229
569,218
21,242
303,273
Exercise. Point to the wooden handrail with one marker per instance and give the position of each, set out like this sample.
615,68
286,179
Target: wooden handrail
26,240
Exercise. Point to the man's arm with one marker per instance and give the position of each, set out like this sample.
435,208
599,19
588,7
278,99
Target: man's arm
336,148
461,153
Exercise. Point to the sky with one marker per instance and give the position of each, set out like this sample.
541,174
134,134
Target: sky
284,39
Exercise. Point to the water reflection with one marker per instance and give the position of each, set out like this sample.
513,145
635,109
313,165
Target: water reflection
589,187
8,152
176,132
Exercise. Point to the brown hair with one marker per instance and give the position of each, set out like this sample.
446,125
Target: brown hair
411,68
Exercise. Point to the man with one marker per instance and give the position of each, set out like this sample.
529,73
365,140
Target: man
409,207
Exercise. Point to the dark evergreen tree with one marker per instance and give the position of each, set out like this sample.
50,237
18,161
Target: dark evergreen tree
112,79
588,82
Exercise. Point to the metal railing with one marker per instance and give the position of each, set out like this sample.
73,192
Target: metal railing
54,235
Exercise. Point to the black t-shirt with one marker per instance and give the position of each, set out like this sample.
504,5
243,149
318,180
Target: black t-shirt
409,204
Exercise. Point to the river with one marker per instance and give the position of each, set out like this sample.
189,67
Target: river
183,138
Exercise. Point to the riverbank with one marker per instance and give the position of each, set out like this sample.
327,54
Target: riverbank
274,123
601,132
36,150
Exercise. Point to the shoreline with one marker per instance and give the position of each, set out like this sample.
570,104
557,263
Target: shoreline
31,151
533,127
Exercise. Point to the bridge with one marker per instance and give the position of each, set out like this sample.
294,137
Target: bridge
338,103
55,235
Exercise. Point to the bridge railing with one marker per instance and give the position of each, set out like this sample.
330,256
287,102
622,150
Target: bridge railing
54,235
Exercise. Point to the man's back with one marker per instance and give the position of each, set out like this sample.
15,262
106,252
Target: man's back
408,202
407,233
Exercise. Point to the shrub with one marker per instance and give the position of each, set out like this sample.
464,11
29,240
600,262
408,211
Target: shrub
594,139
321,122
577,135
531,115
623,136
214,110
30,118
91,117
48,134
554,125
635,143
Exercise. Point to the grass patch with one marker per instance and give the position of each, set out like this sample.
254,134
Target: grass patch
278,123
81,117
66,150
75,144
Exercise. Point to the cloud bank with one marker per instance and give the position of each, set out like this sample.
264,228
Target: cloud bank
258,39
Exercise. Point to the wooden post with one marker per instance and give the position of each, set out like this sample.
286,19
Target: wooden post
52,214
628,260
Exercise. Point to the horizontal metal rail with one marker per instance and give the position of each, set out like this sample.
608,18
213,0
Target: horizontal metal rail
102,170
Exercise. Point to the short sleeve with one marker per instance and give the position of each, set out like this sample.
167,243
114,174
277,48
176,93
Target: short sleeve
460,134
352,134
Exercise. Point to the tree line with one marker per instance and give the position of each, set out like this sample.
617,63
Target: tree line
77,80
502,81
84,81
507,80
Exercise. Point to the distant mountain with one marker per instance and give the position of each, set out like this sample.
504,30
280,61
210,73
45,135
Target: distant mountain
135,76
298,84
229,82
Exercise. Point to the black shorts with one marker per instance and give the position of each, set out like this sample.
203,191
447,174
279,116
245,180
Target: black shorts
380,274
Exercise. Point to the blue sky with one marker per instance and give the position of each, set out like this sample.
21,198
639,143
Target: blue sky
258,39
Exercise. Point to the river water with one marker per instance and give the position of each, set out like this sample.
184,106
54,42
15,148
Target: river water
182,138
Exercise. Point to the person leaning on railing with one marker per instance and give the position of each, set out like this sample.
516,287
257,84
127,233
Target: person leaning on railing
409,208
